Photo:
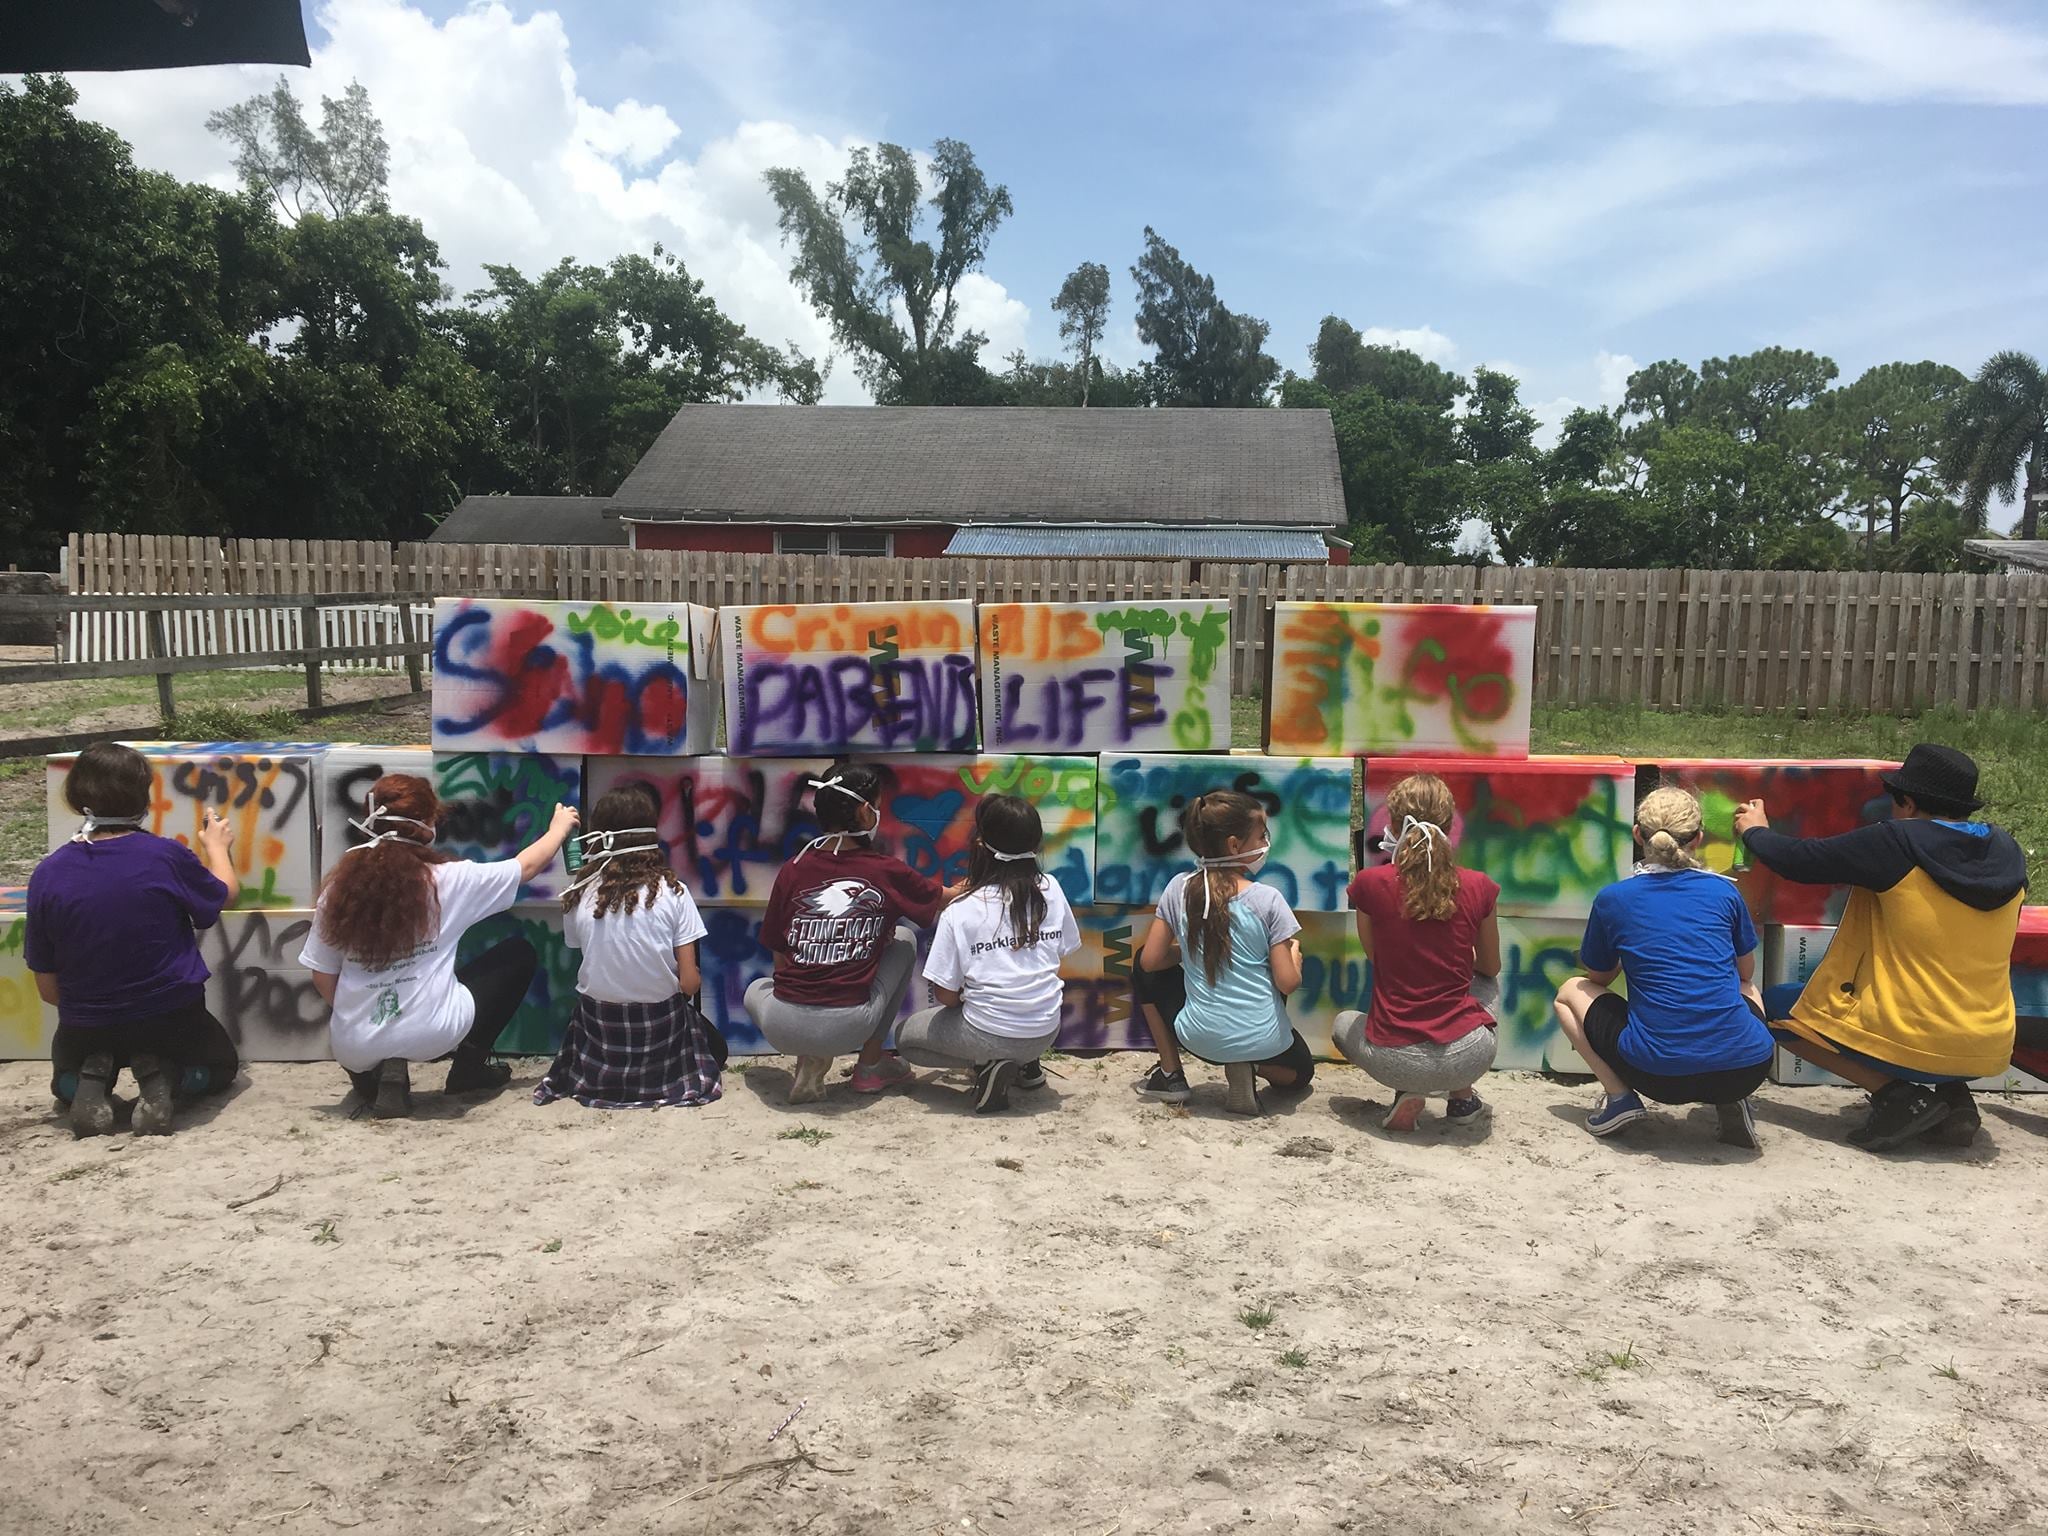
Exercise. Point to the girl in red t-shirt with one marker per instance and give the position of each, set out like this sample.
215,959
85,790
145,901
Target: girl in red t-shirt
1429,929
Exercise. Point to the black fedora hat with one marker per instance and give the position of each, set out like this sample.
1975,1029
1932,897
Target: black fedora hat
1938,778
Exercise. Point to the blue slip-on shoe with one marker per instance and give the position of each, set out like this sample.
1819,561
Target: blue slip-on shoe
1613,1113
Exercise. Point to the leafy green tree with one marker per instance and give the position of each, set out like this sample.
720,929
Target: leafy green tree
1337,356
1497,427
1887,428
1998,440
859,253
1058,383
1588,444
340,170
1663,393
1083,307
587,364
1750,395
1205,354
1403,485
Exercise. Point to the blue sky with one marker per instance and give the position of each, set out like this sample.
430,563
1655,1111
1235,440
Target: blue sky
1560,187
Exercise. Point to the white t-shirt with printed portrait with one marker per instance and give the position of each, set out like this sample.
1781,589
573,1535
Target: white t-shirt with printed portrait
413,1009
1007,989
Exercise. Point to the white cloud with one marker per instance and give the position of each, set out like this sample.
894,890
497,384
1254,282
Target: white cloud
503,159
1612,370
1790,50
1425,341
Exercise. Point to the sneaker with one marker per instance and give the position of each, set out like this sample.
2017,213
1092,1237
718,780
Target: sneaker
91,1112
1030,1074
1614,1112
1242,1085
153,1107
808,1085
1467,1109
1164,1087
1406,1111
1960,1128
1738,1126
992,1083
1899,1111
394,1089
882,1076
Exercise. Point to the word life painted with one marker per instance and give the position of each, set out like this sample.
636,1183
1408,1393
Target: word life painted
1803,799
25,1026
544,1013
844,677
492,803
1793,952
728,824
1139,845
1401,680
1550,831
267,792
1106,677
519,676
264,998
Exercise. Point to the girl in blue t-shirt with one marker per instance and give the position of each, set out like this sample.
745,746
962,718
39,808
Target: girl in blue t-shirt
1692,1030
1226,1001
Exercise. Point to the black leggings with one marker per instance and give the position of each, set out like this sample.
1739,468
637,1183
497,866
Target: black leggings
190,1039
1168,992
497,979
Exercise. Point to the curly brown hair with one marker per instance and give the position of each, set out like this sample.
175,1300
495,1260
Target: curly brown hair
380,903
624,878
1428,872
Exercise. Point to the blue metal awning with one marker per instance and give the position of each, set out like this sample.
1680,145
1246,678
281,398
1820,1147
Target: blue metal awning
1292,545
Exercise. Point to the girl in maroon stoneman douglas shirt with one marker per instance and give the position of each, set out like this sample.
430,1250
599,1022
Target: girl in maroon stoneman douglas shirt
842,963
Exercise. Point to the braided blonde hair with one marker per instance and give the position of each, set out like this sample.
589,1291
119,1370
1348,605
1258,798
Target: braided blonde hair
1668,821
1429,876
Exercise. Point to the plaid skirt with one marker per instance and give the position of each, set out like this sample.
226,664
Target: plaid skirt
635,1056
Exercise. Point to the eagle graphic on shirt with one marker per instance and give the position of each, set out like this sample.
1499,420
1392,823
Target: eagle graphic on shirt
837,923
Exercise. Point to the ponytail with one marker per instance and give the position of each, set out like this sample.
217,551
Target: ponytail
1210,822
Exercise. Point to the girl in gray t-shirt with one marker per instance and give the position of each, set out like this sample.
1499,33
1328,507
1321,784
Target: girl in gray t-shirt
1241,958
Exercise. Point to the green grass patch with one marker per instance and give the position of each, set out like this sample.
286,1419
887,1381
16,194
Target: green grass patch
228,722
809,1135
1258,1318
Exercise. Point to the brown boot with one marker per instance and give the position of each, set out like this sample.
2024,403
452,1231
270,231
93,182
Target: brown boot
92,1112
153,1110
394,1091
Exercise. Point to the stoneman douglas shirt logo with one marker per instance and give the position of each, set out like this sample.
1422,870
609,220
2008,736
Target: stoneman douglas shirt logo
836,923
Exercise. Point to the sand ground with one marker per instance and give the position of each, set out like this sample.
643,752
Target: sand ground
500,1318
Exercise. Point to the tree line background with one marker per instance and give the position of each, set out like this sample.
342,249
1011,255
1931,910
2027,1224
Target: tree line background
287,361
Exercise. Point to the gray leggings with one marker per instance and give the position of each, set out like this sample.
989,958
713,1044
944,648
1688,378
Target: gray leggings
1426,1067
794,1029
942,1037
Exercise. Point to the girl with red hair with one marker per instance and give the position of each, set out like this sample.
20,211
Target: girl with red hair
382,949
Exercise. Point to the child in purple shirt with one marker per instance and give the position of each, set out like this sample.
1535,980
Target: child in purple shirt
112,916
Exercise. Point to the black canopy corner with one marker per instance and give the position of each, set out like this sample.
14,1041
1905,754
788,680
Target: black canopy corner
76,36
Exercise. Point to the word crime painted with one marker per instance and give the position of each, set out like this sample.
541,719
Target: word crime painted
841,677
1105,677
1401,680
517,676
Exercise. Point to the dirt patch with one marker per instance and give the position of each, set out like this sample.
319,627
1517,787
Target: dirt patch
1088,1316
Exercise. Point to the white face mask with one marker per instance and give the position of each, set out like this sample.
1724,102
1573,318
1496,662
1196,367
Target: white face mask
1248,863
819,786
600,848
92,823
375,816
1414,826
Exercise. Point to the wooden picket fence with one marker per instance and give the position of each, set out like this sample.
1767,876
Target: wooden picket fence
1890,642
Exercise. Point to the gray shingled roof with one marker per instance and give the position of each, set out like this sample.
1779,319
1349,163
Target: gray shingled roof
531,520
826,464
1287,545
2021,554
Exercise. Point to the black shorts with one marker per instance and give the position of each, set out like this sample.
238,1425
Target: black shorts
186,1037
1608,1017
1168,992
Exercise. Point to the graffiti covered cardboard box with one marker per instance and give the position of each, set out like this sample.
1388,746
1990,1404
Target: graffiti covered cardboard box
805,678
267,790
1400,680
512,675
1106,677
1549,831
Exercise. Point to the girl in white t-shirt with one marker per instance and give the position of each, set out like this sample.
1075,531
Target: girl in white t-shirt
995,962
382,949
636,1040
